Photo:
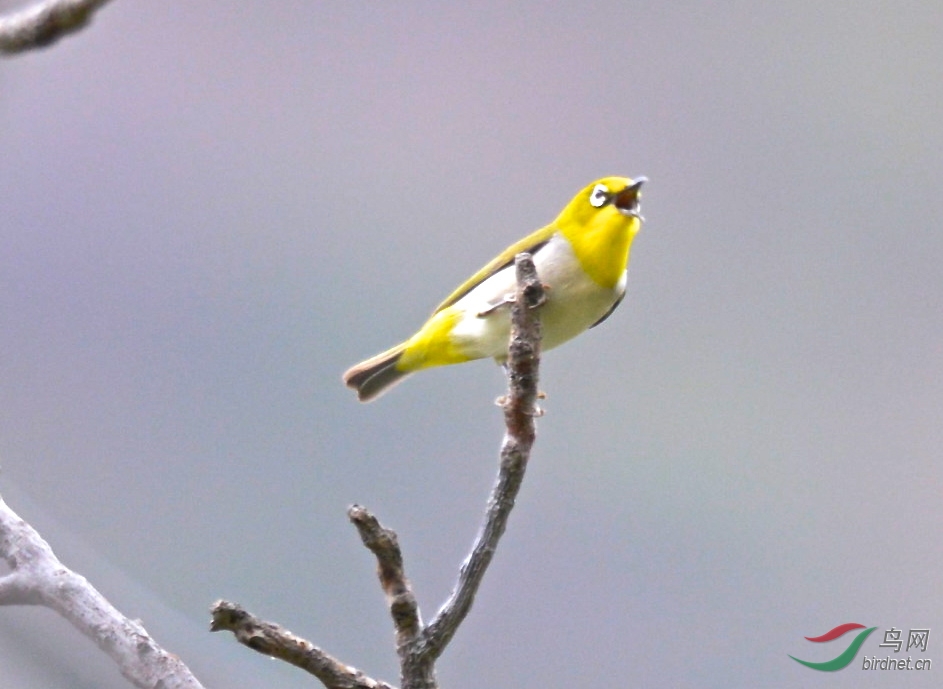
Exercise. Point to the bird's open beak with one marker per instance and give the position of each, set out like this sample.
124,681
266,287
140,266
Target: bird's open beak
627,200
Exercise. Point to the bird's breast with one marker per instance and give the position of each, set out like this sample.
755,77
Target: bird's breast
574,303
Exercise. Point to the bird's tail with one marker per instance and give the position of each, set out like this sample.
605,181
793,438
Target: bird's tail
373,377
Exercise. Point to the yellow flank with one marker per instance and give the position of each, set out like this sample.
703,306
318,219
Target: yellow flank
432,346
581,258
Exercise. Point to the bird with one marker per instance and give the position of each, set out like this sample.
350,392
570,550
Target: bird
581,259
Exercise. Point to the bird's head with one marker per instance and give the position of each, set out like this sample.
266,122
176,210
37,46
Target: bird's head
611,202
600,223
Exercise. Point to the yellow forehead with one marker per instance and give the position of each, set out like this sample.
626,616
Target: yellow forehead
580,209
613,184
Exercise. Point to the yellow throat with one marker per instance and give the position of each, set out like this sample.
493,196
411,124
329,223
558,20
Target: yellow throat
602,237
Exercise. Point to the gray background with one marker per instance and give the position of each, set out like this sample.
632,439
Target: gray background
209,210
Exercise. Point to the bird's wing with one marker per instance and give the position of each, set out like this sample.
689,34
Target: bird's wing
612,308
529,244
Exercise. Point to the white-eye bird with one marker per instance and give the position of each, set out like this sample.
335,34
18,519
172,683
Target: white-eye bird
581,258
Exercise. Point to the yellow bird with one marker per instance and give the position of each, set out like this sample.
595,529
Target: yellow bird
581,258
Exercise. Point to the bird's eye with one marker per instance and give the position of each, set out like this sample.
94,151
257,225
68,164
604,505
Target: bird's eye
600,196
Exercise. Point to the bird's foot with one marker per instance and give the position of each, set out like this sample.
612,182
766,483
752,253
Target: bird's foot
506,301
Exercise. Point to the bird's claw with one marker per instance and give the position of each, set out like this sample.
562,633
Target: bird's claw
508,299
511,298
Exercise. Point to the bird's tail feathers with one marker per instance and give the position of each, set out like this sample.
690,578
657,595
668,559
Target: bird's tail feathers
373,377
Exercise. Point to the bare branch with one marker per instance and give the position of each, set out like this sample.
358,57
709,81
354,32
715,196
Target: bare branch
39,578
519,412
384,544
43,24
272,640
418,653
417,667
420,646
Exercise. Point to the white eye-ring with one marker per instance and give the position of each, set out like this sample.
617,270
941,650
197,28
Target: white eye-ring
600,196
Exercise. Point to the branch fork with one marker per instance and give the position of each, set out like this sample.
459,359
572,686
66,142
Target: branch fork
420,645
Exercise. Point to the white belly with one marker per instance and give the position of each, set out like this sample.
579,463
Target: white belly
574,303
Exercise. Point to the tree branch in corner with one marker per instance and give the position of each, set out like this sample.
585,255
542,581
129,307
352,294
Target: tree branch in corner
37,577
43,24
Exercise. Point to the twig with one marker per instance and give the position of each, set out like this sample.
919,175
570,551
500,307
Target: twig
384,544
272,640
45,23
417,666
39,578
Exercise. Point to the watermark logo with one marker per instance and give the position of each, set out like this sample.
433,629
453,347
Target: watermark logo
845,657
917,640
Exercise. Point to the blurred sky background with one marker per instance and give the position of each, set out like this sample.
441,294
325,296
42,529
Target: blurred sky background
208,211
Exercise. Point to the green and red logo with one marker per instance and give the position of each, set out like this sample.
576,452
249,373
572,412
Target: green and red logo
843,659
